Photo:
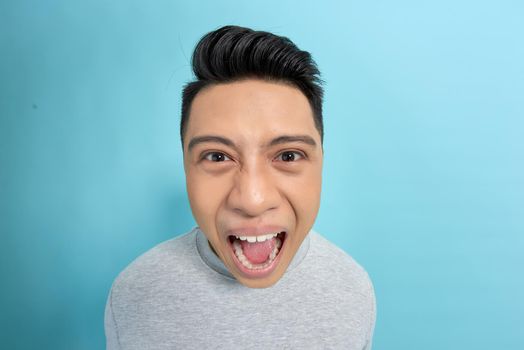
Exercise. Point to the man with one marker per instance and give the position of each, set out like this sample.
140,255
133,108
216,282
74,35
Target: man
252,275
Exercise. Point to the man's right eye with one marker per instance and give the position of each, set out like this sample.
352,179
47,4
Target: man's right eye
216,157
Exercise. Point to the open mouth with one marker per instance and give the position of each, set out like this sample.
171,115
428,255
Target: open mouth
257,255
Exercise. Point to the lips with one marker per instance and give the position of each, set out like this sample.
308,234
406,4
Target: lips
256,255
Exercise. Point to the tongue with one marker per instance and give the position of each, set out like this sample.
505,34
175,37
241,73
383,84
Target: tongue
258,252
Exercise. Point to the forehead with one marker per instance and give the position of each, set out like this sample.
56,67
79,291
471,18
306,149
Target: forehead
251,110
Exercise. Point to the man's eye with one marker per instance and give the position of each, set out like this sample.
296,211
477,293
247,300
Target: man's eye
216,157
290,156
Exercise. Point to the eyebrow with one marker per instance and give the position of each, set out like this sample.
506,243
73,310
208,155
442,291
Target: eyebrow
276,141
209,138
293,138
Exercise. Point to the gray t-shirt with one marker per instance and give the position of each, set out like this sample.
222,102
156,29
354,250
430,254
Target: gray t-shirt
179,295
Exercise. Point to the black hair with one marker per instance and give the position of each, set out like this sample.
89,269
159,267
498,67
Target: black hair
232,53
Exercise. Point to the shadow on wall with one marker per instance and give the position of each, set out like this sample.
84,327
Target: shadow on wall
166,216
175,217
61,269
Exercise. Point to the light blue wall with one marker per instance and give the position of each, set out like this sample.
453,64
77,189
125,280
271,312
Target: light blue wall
424,156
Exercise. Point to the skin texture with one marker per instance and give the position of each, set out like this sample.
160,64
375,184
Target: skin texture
251,183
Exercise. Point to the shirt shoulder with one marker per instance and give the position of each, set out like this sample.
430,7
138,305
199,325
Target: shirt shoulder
348,281
336,262
147,284
173,258
333,285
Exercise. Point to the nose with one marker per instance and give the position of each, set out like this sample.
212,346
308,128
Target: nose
254,192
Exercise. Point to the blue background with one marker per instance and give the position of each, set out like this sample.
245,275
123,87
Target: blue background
424,150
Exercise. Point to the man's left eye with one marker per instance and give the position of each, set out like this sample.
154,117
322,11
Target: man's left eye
290,156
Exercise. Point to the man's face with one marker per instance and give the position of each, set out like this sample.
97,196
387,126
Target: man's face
253,163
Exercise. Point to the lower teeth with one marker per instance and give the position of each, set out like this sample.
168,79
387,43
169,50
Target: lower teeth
242,258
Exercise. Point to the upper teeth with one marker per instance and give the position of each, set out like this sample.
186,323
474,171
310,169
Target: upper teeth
253,239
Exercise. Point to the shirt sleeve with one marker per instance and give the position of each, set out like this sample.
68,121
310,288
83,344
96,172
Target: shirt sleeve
111,330
372,318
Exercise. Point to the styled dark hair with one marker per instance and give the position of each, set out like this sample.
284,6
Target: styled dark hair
232,53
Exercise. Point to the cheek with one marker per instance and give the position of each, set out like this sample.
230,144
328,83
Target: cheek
304,195
206,193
